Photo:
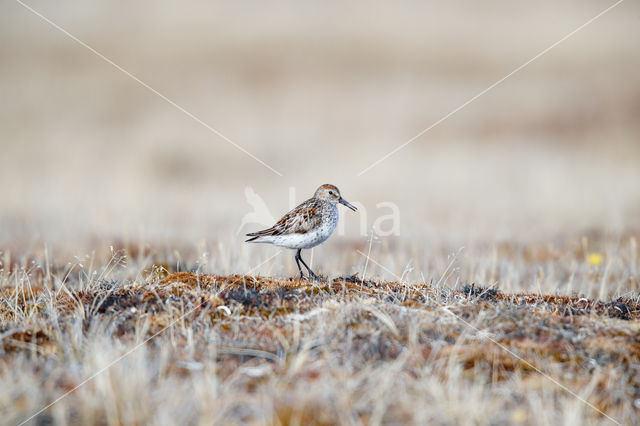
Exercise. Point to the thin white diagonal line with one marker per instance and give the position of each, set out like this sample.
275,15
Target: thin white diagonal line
399,147
130,351
515,355
145,85
369,259
542,373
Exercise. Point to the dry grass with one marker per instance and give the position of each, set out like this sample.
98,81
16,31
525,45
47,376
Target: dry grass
202,348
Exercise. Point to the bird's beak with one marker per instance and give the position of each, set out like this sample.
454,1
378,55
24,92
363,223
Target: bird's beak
346,203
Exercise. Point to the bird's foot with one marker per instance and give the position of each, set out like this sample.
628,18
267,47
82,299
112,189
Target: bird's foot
314,277
311,277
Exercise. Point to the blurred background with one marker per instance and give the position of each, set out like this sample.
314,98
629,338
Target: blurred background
319,92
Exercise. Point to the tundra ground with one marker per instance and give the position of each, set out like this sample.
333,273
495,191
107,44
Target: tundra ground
132,342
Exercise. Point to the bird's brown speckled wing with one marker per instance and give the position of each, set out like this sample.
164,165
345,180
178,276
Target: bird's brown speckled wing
300,220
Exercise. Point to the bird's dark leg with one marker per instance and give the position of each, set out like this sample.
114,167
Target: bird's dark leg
298,259
315,277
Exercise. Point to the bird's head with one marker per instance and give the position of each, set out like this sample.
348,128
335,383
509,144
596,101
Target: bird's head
332,194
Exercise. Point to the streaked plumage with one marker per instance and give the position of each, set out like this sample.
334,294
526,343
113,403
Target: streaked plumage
307,225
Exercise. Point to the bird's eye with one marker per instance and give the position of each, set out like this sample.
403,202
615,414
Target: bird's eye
330,192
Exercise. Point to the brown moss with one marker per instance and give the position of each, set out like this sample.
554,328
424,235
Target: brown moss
288,412
621,308
37,340
23,293
495,363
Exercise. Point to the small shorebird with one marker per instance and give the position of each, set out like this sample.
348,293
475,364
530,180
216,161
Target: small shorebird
307,225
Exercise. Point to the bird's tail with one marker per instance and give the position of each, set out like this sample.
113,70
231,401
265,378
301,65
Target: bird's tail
256,235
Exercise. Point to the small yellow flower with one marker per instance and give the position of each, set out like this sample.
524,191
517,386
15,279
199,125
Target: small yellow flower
594,259
518,416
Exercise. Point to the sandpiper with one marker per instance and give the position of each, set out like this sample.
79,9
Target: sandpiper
306,226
